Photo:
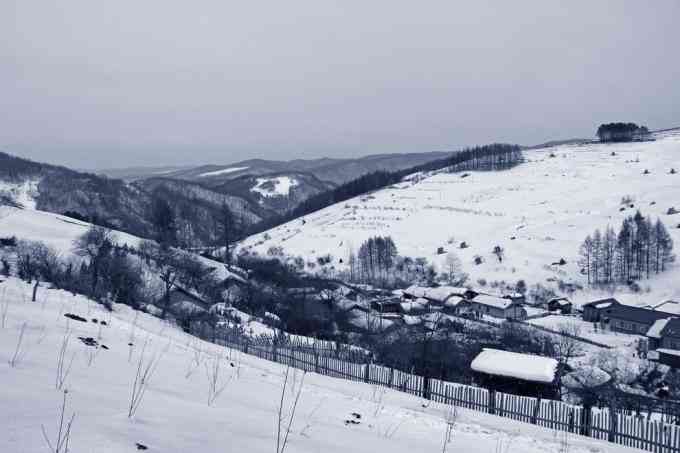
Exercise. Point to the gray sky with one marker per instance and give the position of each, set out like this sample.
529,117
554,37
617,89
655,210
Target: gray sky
91,83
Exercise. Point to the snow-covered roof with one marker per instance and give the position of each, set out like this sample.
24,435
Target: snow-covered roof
657,328
603,305
512,364
416,305
453,301
415,291
493,301
669,351
412,320
442,293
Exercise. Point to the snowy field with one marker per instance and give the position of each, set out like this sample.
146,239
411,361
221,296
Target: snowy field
278,186
174,415
539,212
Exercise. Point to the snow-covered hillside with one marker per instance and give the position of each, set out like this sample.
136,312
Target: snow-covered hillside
277,186
60,231
539,212
174,416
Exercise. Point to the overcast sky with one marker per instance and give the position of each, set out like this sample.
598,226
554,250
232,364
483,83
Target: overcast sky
91,83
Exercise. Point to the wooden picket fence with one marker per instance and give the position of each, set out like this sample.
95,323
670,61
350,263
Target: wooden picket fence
633,430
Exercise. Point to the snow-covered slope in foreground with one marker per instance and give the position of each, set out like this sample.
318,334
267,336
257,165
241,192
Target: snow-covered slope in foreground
174,415
539,212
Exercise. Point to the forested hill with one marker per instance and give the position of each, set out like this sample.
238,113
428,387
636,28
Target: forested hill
497,156
114,203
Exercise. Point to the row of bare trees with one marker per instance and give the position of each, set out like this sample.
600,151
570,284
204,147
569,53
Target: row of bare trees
640,248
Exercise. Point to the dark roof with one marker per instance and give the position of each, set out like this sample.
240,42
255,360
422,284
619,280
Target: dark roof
637,314
602,301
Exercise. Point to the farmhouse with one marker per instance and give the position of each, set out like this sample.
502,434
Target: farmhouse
458,306
665,334
498,307
512,372
633,320
592,311
561,304
389,305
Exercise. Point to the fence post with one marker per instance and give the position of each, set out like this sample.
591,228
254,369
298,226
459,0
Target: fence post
426,387
613,418
537,407
492,401
367,371
586,420
316,361
391,377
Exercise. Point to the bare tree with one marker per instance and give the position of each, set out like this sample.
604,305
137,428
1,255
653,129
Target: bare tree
285,420
93,245
60,444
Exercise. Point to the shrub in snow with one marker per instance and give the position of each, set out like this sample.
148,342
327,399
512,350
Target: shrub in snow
627,199
481,281
275,250
672,211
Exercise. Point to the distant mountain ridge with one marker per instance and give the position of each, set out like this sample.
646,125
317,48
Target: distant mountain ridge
334,171
115,203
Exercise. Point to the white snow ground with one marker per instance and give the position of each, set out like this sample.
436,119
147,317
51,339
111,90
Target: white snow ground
174,415
282,186
548,205
224,171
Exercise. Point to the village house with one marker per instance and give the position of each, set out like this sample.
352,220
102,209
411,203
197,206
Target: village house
512,372
561,304
628,319
592,311
387,305
458,306
665,334
498,307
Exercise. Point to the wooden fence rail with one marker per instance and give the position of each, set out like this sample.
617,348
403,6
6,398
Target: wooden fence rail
614,426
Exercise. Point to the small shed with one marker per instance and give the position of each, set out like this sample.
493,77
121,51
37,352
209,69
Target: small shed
513,372
561,304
